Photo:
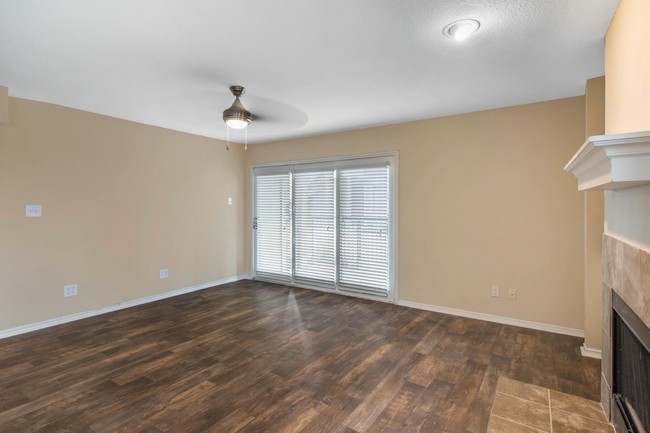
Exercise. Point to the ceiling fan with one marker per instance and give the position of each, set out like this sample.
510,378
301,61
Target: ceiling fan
277,115
236,116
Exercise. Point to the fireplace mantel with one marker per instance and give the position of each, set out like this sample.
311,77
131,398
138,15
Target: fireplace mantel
612,161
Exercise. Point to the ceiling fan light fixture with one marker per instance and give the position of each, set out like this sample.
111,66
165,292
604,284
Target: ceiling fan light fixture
461,29
236,116
237,123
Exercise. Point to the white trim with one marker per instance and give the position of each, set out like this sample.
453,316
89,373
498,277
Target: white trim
251,215
496,319
327,159
110,308
394,227
612,161
590,352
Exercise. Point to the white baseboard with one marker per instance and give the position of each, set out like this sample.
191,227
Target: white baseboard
497,319
590,352
122,305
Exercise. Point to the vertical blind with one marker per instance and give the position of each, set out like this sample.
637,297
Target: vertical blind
325,227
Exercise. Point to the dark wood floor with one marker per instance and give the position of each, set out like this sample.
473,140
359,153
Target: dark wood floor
257,357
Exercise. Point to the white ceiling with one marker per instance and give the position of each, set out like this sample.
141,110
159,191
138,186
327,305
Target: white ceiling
309,66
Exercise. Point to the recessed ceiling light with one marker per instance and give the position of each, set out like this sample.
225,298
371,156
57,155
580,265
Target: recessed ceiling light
461,29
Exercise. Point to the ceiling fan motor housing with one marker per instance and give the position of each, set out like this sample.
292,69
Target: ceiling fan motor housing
237,111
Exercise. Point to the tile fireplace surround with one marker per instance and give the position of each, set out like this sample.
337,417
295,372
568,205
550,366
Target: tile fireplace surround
626,271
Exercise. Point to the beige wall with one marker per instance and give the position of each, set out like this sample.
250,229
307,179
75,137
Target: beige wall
594,221
4,104
627,68
120,201
595,107
483,200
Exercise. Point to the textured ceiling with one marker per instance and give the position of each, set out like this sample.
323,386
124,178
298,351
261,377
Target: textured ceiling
309,67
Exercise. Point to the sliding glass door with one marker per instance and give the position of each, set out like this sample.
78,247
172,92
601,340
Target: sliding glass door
327,225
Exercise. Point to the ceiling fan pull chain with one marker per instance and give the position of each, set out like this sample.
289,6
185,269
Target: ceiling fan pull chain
246,139
227,138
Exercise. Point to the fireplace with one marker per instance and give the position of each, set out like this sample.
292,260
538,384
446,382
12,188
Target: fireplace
631,365
620,165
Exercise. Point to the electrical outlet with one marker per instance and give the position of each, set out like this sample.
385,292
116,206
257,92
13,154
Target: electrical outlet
229,201
33,211
495,292
69,290
512,294
164,273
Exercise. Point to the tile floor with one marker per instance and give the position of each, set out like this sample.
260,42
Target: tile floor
519,407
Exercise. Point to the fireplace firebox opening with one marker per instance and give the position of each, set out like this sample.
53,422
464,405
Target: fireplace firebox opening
631,364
